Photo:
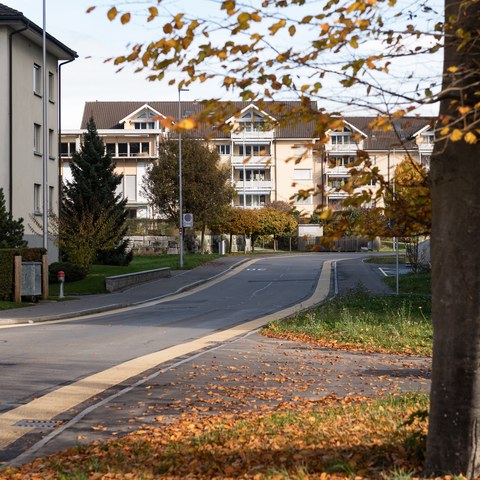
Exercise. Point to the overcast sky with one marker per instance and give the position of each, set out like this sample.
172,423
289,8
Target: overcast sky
94,38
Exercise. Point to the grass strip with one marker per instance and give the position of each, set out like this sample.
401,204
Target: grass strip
413,283
4,305
373,439
389,324
95,281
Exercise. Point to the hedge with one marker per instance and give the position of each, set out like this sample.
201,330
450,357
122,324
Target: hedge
7,264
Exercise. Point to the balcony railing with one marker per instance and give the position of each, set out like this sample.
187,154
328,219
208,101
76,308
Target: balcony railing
338,170
343,147
425,148
253,185
239,160
252,135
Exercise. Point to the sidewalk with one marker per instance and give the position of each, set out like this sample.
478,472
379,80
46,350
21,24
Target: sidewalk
180,281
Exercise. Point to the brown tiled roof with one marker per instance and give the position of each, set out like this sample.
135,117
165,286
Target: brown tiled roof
108,114
401,135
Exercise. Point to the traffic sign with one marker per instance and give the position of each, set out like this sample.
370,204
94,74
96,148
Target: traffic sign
188,220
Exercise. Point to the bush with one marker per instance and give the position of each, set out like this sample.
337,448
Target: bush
118,256
72,272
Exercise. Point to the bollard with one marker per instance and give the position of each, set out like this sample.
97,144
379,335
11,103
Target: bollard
61,280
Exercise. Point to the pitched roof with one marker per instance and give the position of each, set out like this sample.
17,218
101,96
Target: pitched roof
11,17
107,115
402,136
6,11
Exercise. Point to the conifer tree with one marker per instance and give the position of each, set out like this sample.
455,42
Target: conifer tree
93,191
11,231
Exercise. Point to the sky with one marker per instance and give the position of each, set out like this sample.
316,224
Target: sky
95,39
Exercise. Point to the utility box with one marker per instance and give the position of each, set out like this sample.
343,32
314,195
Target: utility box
31,279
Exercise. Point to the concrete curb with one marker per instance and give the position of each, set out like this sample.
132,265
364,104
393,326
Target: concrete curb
116,306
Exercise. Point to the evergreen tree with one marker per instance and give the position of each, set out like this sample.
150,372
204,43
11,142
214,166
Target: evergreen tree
11,231
92,192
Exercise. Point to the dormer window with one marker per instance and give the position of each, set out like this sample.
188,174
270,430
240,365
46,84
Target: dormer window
341,137
145,120
252,121
428,138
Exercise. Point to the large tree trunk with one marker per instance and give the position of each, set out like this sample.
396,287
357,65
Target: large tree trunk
453,444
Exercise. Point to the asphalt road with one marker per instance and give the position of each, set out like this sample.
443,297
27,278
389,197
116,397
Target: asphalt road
39,358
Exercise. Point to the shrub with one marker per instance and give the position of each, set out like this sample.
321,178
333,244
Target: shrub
72,272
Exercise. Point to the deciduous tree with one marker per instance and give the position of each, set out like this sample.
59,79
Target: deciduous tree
370,40
206,190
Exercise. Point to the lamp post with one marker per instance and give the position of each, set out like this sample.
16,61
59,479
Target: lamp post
45,130
180,186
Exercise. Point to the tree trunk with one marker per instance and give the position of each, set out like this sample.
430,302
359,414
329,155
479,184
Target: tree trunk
202,241
453,444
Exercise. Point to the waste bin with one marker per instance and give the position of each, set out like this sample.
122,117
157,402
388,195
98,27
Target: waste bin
31,279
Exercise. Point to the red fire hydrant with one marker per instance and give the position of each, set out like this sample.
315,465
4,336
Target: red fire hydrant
61,280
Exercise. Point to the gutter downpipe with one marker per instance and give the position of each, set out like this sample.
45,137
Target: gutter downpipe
59,147
10,116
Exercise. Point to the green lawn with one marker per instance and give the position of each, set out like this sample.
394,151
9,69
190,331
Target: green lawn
95,280
385,259
8,305
413,283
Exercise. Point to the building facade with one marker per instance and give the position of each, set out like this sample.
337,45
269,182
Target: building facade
268,162
21,117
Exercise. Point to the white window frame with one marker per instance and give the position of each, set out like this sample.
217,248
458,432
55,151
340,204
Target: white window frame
37,79
37,136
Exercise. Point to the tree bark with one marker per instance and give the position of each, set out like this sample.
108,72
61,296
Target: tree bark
453,444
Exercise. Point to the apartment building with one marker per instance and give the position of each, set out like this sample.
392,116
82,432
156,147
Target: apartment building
21,116
410,137
261,154
268,162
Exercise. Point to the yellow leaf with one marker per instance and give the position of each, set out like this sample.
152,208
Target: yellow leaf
456,135
453,69
292,30
243,17
153,13
125,18
112,13
463,110
471,138
444,131
89,9
186,124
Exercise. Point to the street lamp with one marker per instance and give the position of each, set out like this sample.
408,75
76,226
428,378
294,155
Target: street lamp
180,196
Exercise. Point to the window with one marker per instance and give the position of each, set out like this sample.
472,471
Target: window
37,195
252,200
302,174
37,133
131,187
338,182
37,79
223,149
341,137
134,149
253,150
51,144
342,161
51,191
123,149
145,148
51,87
256,175
110,148
429,138
67,149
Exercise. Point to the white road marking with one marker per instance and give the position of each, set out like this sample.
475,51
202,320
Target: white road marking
383,271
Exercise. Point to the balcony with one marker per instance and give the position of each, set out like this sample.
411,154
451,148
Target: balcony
238,160
256,186
343,147
252,135
332,193
338,171
425,148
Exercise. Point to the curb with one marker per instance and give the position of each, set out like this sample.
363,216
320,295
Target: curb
115,306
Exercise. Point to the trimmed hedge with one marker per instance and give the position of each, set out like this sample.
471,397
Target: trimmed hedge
7,264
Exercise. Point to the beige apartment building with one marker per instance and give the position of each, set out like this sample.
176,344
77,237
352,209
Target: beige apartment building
21,116
268,162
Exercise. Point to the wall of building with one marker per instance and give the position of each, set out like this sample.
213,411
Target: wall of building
4,144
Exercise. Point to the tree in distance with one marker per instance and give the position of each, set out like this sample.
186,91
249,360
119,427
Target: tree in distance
206,190
90,198
380,56
11,231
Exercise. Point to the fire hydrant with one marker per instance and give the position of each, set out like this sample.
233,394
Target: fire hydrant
61,280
